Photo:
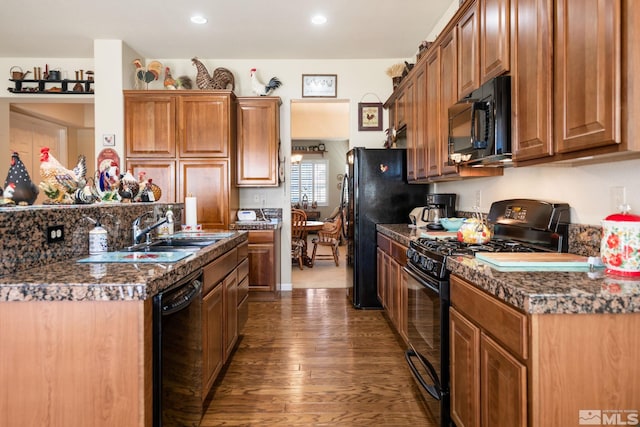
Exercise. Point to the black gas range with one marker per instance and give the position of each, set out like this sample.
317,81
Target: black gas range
519,225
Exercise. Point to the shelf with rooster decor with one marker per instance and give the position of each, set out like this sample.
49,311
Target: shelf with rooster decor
52,87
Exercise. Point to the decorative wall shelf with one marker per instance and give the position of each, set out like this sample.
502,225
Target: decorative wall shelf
52,87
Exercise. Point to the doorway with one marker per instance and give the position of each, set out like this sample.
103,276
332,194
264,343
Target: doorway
320,137
67,129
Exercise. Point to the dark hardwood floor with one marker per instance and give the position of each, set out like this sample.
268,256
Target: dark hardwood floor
310,359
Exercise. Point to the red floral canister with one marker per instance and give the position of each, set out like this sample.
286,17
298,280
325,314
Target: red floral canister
620,246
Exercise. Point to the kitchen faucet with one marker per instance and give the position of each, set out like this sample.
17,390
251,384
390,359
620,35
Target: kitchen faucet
138,233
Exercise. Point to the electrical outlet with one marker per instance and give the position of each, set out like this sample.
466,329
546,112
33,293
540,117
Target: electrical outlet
256,198
618,197
263,199
55,233
478,202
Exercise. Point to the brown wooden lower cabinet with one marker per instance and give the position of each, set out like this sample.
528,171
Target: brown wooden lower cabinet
264,264
392,289
510,368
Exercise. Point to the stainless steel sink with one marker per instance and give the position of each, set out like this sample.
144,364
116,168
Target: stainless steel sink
171,245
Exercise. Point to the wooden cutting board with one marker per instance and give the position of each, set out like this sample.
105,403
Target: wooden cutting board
439,234
535,259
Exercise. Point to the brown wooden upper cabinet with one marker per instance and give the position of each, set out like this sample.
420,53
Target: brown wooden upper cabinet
150,125
531,79
194,124
203,125
468,51
494,38
258,122
185,141
587,74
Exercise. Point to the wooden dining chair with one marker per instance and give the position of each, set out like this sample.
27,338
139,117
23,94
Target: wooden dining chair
329,236
298,235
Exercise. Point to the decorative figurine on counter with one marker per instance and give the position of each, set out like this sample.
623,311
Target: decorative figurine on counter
58,183
106,181
18,185
149,192
128,187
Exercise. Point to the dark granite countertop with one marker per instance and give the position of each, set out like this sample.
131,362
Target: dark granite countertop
73,281
540,292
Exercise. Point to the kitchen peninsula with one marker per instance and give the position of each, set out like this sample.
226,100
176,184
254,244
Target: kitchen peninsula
78,338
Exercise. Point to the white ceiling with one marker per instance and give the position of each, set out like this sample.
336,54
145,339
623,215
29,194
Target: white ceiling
237,29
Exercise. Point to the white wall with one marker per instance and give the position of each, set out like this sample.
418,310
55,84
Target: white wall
587,189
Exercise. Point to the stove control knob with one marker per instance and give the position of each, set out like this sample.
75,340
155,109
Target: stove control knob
416,258
410,253
430,265
423,263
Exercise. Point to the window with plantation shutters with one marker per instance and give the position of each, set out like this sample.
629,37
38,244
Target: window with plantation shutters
310,178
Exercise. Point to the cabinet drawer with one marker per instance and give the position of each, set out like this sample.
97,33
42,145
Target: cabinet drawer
243,250
399,253
243,269
218,269
384,243
243,289
504,323
261,236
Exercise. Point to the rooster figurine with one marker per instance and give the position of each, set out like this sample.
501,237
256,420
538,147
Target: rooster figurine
220,79
18,184
147,74
260,88
128,187
182,82
58,183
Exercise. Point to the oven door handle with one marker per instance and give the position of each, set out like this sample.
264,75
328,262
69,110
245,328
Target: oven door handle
435,390
420,280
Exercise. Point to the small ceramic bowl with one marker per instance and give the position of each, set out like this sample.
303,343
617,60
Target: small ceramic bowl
451,224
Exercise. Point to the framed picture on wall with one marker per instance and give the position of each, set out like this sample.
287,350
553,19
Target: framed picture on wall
369,116
319,85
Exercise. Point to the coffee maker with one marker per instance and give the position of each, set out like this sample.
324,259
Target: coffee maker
439,205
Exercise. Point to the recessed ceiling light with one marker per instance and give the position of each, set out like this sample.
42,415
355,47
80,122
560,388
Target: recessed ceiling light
319,19
197,19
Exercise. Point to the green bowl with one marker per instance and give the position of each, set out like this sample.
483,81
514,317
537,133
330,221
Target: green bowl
451,224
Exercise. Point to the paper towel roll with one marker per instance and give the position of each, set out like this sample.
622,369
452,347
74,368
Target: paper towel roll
191,211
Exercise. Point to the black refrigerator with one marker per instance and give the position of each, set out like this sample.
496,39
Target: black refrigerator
377,192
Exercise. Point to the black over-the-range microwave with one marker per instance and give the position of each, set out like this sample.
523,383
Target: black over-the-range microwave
480,125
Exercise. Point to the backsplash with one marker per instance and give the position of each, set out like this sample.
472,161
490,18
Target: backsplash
24,230
583,239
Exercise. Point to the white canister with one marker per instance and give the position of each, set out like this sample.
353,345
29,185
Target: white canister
97,240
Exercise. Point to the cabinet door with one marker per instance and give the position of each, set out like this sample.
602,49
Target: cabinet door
204,125
433,112
448,96
212,336
408,97
532,79
494,38
587,75
261,267
162,172
465,371
149,125
468,47
419,116
504,386
381,266
208,180
401,118
258,141
230,286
